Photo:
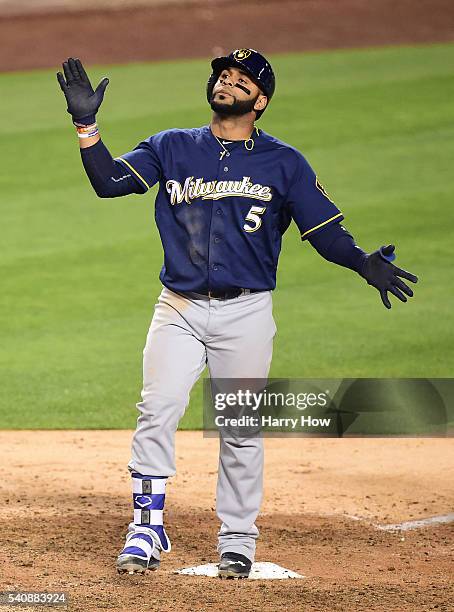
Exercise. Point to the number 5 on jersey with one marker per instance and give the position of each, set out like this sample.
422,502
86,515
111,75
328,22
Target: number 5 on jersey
253,215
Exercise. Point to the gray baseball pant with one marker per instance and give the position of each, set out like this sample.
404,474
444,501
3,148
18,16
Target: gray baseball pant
235,338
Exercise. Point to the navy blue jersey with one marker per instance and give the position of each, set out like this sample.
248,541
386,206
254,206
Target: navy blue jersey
221,210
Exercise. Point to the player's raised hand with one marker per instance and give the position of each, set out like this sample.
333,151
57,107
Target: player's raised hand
83,102
384,276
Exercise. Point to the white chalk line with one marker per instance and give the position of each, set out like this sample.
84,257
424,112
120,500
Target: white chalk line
405,525
426,522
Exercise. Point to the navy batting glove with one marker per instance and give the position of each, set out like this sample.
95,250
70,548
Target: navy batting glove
83,102
384,276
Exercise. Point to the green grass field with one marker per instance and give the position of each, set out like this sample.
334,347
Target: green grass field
79,275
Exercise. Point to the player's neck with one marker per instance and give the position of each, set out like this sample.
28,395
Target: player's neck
232,128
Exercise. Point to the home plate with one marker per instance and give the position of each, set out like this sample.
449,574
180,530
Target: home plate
260,571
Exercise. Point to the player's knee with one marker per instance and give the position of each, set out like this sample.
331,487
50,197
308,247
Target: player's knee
159,403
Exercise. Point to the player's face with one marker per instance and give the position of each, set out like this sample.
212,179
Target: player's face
236,94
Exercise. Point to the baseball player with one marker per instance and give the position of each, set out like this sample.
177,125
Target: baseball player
227,193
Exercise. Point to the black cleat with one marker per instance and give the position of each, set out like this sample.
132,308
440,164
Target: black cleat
234,565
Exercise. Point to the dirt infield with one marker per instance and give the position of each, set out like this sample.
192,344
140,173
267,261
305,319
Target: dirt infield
203,29
65,504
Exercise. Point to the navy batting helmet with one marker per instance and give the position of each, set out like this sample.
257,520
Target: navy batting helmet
253,63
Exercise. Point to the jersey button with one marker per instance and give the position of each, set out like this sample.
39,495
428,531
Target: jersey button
219,211
226,168
214,266
217,239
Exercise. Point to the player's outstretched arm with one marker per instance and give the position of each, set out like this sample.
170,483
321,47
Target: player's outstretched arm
107,177
336,244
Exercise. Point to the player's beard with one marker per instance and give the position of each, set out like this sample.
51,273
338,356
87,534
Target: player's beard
238,108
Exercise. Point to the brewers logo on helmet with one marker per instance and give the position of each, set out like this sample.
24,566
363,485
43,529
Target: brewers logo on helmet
241,54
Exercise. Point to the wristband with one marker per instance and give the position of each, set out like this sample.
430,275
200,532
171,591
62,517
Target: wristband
95,133
87,131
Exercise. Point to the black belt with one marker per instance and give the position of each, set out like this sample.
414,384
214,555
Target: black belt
227,295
